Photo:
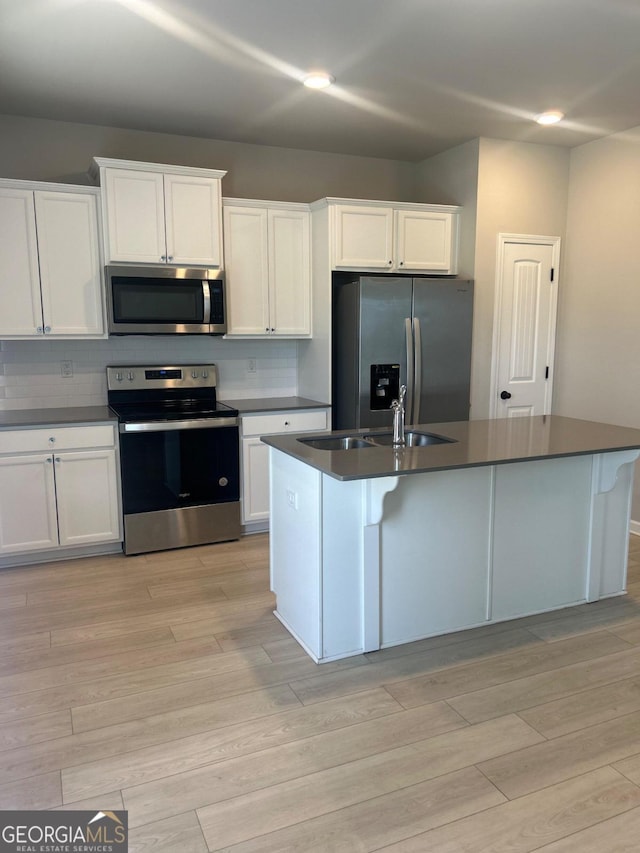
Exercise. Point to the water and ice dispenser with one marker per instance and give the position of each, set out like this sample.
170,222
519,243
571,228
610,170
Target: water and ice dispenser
385,386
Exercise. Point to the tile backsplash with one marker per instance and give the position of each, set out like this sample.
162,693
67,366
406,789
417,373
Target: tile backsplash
31,371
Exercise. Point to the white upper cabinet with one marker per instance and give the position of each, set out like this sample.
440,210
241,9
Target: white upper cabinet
363,237
392,236
157,214
50,264
134,216
425,241
268,265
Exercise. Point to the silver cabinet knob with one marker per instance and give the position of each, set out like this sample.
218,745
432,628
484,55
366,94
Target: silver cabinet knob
163,258
39,330
47,329
52,439
49,460
170,258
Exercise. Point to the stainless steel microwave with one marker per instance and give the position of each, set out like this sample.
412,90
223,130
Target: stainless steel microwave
165,301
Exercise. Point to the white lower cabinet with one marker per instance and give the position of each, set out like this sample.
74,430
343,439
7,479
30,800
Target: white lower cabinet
58,488
255,454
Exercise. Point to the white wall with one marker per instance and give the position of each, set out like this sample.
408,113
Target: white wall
39,149
598,349
522,189
452,178
504,187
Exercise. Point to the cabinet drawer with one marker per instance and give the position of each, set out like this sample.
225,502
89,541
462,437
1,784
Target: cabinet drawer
295,421
64,438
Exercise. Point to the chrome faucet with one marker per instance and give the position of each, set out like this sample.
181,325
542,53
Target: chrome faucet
398,418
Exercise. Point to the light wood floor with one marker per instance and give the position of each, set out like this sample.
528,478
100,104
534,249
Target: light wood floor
163,684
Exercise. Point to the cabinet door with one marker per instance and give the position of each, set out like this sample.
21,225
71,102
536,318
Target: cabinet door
289,272
363,237
424,241
134,221
20,307
69,263
27,504
192,215
246,251
87,491
255,480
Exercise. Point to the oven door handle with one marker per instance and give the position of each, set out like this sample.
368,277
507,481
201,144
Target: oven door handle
168,426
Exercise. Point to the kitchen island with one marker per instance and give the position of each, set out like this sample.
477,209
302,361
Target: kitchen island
374,546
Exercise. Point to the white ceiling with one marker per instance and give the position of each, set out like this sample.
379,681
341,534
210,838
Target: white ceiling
413,77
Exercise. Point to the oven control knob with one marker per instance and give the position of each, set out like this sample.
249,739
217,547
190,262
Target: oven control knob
130,376
119,377
205,374
194,374
223,481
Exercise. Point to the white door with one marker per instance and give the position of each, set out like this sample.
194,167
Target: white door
192,212
525,325
87,491
27,504
69,263
255,480
289,272
20,306
363,237
424,241
135,216
246,251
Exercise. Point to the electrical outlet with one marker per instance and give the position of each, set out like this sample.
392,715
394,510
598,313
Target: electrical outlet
66,369
292,499
251,365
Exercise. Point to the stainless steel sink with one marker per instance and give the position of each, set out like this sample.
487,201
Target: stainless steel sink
412,438
332,442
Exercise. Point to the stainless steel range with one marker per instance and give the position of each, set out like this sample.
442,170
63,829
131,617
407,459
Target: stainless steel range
179,456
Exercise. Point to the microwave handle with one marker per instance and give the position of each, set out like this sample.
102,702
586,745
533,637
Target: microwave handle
206,302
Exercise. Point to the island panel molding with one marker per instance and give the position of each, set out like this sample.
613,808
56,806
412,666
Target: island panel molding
376,547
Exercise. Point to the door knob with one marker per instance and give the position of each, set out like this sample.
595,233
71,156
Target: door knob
505,395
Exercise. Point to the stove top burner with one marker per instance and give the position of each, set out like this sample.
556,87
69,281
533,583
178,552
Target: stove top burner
172,410
152,393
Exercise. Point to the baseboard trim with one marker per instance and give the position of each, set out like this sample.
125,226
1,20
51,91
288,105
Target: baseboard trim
35,557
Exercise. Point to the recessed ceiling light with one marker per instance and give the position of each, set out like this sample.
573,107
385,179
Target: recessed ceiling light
318,80
550,117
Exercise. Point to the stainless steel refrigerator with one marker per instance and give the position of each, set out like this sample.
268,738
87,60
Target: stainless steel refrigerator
389,331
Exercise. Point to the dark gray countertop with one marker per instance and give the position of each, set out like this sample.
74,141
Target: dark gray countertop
273,404
76,416
489,442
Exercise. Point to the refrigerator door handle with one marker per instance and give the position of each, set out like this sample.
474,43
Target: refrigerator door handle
410,369
417,345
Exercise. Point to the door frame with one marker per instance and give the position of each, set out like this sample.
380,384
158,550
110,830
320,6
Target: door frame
531,239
